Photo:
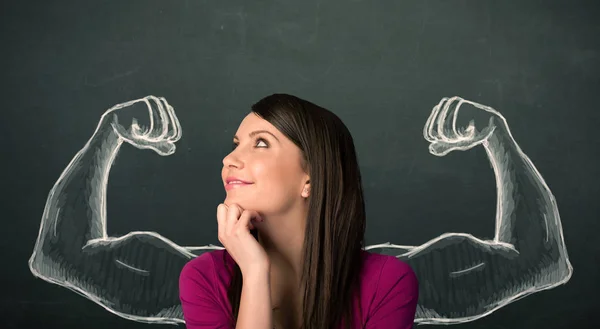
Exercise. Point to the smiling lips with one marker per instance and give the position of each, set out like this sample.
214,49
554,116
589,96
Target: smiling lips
233,184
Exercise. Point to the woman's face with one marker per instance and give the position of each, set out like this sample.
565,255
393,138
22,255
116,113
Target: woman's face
268,160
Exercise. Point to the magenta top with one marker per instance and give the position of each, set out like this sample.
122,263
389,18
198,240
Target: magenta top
389,292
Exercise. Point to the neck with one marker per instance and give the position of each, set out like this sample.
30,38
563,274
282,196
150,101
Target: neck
282,237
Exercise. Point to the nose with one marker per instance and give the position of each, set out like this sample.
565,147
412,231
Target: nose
232,160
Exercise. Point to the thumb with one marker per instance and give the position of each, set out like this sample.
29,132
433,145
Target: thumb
162,147
438,148
441,148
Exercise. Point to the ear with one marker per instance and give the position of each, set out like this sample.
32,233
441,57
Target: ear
306,189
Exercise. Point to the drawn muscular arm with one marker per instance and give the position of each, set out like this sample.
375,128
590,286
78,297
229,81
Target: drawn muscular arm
134,276
462,278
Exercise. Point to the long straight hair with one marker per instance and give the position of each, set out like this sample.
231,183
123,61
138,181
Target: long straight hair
335,227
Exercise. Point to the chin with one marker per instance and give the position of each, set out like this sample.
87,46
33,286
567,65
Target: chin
245,204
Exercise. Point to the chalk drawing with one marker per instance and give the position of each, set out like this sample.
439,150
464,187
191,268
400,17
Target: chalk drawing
462,278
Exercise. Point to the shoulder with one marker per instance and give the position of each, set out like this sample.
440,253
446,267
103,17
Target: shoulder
385,266
395,269
392,293
384,273
203,285
202,263
204,271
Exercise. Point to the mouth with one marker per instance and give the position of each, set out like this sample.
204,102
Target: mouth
235,185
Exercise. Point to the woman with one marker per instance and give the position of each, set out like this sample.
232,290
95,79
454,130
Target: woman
293,225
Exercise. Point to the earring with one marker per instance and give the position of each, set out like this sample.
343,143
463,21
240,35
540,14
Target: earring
305,190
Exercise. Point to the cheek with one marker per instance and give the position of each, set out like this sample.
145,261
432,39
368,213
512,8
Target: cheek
269,192
275,188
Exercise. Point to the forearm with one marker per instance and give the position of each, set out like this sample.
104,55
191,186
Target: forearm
255,303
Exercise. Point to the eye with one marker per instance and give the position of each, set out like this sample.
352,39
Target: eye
262,140
234,145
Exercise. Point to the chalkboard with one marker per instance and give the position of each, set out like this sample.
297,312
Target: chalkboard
524,184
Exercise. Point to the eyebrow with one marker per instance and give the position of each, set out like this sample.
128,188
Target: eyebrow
256,132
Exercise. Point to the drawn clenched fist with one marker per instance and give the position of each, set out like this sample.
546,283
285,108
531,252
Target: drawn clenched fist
161,132
445,135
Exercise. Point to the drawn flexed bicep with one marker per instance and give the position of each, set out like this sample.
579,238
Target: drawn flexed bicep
462,277
135,276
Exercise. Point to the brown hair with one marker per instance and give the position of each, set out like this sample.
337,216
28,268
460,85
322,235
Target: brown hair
336,221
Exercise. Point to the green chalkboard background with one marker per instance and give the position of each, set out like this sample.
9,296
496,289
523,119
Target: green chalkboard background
381,66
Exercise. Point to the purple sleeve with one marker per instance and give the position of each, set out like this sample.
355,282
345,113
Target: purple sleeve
201,309
396,297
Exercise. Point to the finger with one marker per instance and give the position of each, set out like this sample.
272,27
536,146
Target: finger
151,117
159,119
176,129
244,224
454,115
233,214
222,211
428,130
482,107
441,148
163,148
165,116
462,134
221,218
122,105
445,119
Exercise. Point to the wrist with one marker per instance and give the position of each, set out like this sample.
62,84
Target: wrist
256,273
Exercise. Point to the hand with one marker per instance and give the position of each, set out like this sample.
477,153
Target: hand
163,131
442,131
235,224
